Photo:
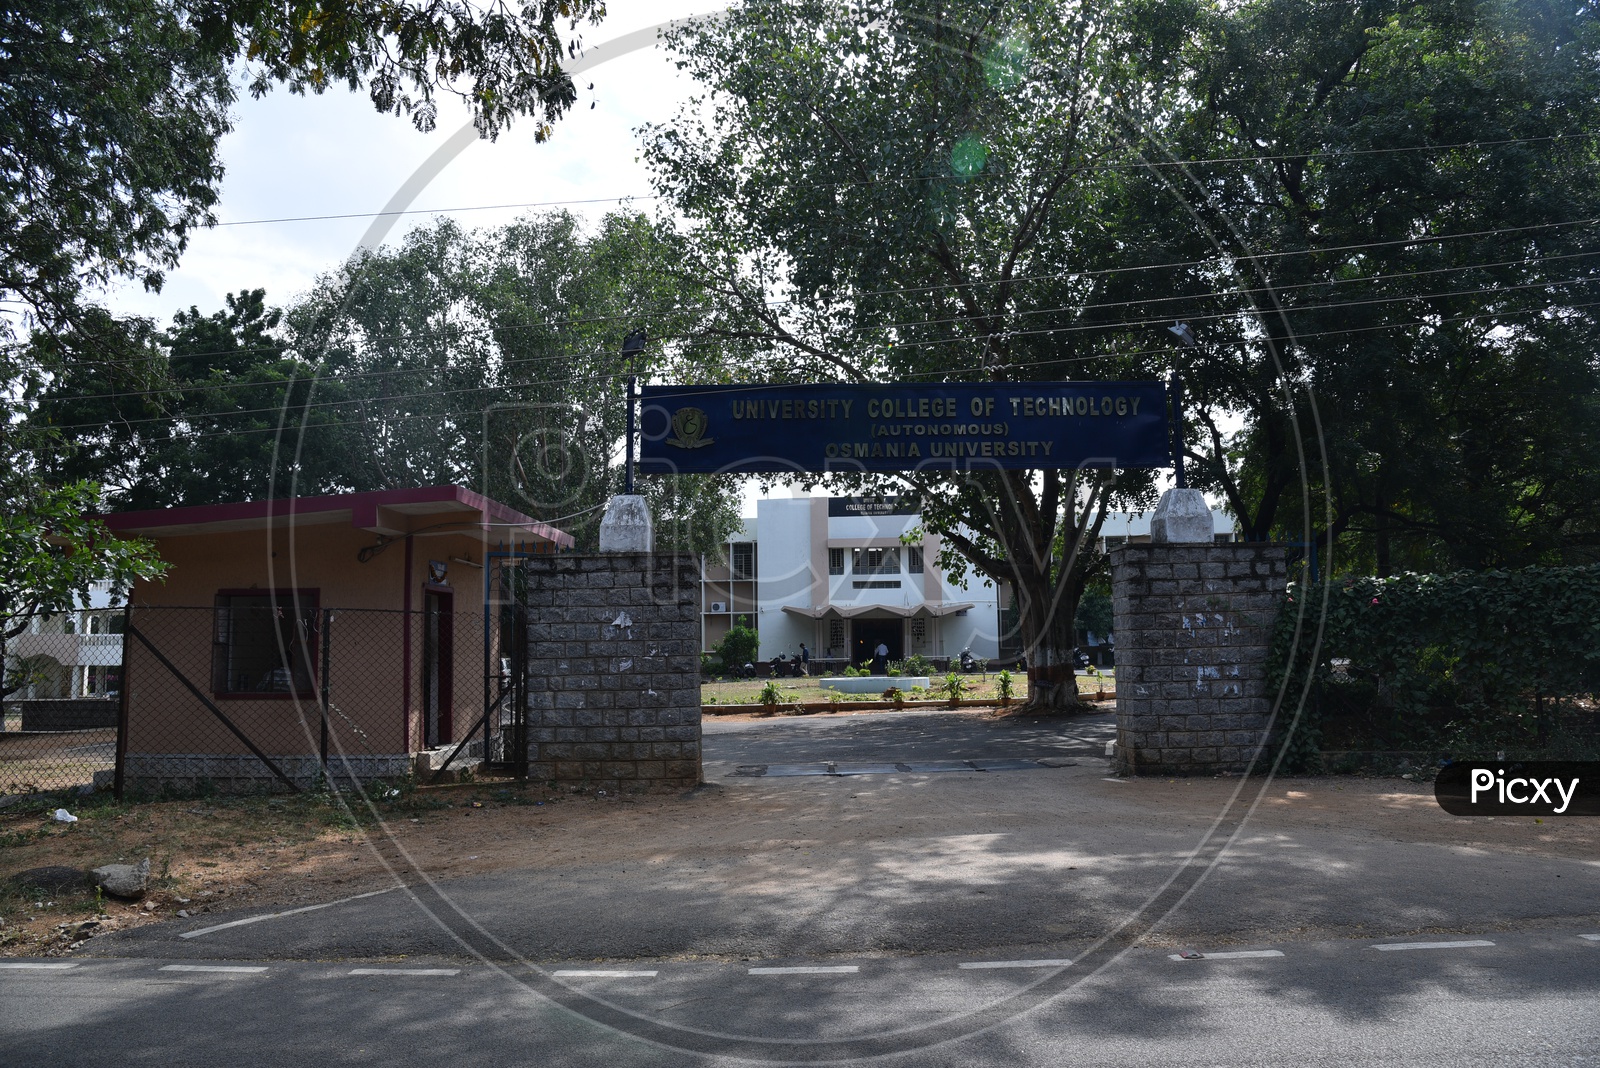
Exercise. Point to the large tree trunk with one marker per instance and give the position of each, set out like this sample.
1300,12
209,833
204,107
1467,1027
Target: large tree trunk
1046,614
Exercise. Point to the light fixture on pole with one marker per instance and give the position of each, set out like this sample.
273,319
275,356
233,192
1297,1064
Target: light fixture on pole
1184,335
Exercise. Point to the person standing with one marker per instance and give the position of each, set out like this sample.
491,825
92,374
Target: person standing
805,659
880,660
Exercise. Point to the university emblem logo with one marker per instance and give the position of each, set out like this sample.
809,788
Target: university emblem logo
688,424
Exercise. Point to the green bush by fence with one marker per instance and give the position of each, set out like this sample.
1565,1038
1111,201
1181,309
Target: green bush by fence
1463,664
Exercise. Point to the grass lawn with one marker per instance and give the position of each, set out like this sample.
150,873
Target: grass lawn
747,691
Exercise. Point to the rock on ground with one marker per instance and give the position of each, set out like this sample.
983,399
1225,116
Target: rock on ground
123,880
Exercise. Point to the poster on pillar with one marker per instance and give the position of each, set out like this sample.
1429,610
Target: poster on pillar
922,427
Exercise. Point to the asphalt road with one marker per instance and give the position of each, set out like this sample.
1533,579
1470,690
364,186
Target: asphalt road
1520,999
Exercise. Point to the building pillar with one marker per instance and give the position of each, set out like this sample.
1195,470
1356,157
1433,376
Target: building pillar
1193,622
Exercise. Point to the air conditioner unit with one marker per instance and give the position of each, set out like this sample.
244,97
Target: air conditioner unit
719,606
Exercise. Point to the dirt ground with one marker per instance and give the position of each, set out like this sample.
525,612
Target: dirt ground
225,854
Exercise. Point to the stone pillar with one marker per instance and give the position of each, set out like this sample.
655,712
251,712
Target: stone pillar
614,670
1193,623
626,528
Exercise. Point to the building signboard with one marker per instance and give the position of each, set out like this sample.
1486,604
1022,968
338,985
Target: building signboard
932,427
839,507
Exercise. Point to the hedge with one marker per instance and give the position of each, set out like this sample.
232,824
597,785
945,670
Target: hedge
1465,663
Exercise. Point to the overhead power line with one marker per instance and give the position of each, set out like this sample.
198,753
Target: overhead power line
1132,165
1046,276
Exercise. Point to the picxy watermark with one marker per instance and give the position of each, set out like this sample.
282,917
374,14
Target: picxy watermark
1520,788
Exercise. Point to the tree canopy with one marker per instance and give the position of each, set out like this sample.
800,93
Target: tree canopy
1379,220
491,359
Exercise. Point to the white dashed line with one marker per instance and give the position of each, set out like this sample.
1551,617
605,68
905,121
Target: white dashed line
598,973
236,969
1591,938
1236,954
43,966
839,969
276,915
976,964
405,971
1436,945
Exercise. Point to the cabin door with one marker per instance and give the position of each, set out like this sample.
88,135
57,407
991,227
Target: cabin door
438,661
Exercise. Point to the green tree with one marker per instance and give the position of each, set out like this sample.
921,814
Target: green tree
494,359
1379,220
51,551
197,413
900,191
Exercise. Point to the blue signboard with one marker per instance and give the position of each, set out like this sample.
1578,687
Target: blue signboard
937,427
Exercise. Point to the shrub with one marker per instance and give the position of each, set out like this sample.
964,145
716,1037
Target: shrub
1007,686
772,694
739,646
853,672
893,694
954,686
916,664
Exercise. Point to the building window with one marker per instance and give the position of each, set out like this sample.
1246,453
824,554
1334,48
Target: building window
876,562
743,559
876,584
835,561
264,643
914,560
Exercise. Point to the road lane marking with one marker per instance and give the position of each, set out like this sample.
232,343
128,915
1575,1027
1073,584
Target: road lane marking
600,973
276,915
1591,938
1436,945
237,969
405,971
1235,954
975,964
51,966
837,969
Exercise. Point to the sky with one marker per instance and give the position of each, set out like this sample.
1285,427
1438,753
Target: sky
292,157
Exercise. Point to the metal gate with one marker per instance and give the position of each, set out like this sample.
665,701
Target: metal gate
504,723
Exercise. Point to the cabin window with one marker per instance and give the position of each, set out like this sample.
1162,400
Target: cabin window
264,642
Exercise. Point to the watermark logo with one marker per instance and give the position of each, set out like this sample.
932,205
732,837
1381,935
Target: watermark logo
1520,788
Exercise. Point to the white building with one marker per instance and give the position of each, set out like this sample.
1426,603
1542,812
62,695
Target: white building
833,573
71,654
